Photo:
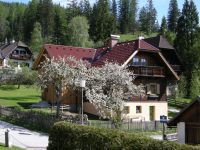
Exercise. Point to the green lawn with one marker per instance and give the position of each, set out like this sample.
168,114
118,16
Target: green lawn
129,37
2,147
23,97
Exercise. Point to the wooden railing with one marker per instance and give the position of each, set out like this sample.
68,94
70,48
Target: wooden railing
20,56
148,70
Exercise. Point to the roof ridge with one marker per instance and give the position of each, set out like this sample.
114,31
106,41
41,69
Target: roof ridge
68,46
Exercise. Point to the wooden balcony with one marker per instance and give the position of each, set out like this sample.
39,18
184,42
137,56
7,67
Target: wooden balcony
20,56
153,71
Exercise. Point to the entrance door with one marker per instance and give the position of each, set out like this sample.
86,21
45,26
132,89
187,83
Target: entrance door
152,113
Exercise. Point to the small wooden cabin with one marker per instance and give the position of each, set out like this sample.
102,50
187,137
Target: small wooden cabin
188,123
69,96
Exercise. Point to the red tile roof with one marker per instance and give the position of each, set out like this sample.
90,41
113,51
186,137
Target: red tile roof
57,51
120,52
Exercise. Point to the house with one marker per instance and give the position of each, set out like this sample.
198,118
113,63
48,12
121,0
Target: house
69,97
188,123
17,52
147,62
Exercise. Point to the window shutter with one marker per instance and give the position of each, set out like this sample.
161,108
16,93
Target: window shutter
158,88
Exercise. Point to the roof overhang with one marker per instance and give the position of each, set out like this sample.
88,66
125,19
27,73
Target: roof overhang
129,59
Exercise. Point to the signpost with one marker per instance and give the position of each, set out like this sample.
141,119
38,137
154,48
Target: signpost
163,119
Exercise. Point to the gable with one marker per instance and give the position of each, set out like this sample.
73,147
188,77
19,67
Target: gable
152,59
189,114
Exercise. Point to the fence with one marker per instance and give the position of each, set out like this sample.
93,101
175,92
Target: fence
131,125
35,120
44,121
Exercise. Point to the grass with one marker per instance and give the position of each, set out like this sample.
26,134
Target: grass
2,147
23,97
129,37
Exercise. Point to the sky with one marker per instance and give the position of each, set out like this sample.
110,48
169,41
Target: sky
160,5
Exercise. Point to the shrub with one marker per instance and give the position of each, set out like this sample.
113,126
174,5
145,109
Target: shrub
64,136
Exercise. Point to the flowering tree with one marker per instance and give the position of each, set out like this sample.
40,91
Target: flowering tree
62,72
108,87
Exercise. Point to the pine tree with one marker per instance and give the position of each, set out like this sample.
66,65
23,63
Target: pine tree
187,28
114,9
173,14
30,17
132,15
45,17
36,38
73,9
124,16
187,31
163,27
60,26
103,23
147,18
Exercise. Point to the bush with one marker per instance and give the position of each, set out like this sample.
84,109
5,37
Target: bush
64,136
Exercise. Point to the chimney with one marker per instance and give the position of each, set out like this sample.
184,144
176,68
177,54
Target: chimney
141,37
114,40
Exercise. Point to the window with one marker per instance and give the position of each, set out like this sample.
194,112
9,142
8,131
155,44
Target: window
126,109
153,89
143,62
136,61
138,109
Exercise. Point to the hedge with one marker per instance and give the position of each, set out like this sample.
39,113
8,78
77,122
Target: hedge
67,136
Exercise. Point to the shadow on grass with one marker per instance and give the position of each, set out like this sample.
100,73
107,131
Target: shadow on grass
25,105
8,87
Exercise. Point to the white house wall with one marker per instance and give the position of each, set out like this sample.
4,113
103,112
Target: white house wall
161,108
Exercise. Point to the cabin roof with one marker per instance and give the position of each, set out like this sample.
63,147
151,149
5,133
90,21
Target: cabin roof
181,116
57,51
159,42
6,49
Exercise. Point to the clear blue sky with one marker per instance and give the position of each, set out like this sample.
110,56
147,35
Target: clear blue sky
160,5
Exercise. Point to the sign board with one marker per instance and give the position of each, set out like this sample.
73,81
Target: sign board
163,119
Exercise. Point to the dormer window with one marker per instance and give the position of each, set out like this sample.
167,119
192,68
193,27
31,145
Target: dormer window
135,61
143,62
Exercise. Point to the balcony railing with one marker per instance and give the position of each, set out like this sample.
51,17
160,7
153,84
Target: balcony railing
156,71
20,56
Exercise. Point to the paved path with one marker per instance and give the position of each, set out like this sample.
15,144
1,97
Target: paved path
23,138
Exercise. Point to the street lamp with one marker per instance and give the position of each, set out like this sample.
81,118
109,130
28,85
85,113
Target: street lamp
82,85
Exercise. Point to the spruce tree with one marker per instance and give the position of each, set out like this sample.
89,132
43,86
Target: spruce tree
124,16
60,26
173,14
114,9
132,15
30,17
187,31
147,18
103,22
163,27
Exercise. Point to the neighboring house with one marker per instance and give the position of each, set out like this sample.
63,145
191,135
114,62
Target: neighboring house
188,123
16,52
147,62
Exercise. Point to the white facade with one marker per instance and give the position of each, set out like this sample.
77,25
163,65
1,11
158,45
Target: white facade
150,110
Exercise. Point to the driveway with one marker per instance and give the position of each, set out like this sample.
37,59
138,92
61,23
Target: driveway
23,138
